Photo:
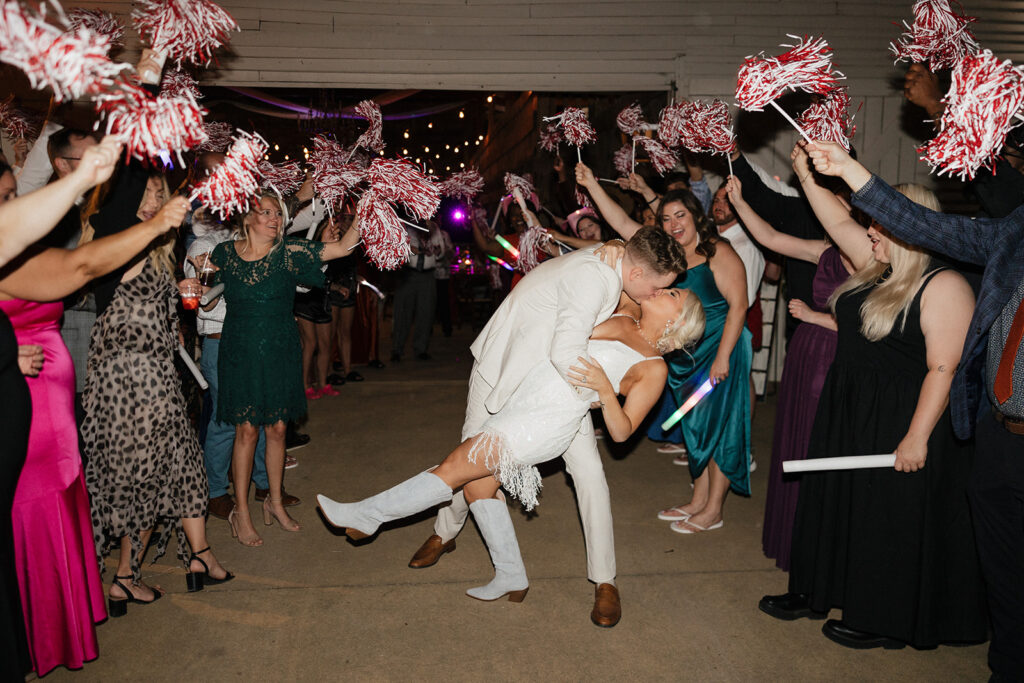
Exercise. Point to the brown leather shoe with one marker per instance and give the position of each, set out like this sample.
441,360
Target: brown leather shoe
220,506
607,610
287,499
430,552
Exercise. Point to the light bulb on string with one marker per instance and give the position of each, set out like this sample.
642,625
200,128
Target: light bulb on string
456,150
405,135
465,143
447,168
490,98
462,165
417,160
437,156
426,149
405,152
430,124
462,114
447,146
477,143
286,157
481,138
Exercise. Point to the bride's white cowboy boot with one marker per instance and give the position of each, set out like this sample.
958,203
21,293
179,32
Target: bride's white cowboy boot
500,536
363,518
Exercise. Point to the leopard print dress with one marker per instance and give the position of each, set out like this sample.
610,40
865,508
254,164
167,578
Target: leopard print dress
145,465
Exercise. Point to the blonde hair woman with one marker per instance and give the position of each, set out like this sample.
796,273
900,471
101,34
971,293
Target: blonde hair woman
893,548
144,464
260,363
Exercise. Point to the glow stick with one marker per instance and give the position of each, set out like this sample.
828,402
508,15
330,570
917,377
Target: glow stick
191,365
211,294
508,246
500,262
851,462
701,391
312,228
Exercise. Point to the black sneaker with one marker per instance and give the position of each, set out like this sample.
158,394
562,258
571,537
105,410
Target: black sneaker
295,439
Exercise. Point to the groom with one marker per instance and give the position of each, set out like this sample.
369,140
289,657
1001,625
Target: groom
551,314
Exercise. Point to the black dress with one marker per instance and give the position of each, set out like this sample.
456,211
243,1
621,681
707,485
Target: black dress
15,418
894,550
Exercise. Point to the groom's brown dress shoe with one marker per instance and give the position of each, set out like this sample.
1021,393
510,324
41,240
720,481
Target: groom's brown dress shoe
607,610
430,552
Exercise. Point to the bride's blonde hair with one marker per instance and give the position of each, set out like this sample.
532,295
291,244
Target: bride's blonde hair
687,329
892,298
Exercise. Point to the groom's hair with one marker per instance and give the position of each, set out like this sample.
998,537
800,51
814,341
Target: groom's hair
656,249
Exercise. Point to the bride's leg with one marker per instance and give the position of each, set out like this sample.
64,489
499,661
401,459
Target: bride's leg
495,525
424,490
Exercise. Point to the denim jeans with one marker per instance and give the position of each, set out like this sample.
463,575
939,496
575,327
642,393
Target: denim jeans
220,436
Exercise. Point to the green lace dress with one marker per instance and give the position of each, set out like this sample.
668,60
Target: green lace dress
260,364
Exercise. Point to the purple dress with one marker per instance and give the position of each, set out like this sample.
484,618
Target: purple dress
809,355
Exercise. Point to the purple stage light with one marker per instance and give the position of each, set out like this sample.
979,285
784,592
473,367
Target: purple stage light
458,215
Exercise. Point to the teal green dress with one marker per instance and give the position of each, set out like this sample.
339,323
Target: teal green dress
718,427
260,365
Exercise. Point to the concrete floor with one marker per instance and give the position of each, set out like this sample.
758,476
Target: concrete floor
312,606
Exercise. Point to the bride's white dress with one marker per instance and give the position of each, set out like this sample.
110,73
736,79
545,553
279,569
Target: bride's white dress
541,418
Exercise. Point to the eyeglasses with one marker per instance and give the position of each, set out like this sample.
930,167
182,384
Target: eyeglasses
72,158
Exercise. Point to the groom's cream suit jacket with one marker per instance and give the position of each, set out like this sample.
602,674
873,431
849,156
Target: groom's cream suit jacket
550,315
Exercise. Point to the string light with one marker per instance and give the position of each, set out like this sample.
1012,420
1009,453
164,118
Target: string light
476,142
426,149
490,99
430,124
437,156
266,157
465,143
417,160
276,148
462,165
447,146
447,168
286,157
405,152
462,114
405,135
481,138
456,150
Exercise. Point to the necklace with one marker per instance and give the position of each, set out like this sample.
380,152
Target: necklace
644,336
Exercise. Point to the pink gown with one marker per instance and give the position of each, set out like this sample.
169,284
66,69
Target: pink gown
58,573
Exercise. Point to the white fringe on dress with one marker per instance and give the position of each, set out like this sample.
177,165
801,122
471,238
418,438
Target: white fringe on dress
519,479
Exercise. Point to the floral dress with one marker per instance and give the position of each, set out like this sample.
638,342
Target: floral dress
260,364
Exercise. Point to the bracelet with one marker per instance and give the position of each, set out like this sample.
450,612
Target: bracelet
803,178
651,201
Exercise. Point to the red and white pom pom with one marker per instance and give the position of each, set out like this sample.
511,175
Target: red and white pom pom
218,136
807,66
384,236
372,138
630,119
550,137
982,105
285,179
583,199
513,182
939,36
531,243
623,160
575,126
152,128
707,127
662,158
73,63
400,181
671,124
176,82
233,185
13,121
184,30
98,21
333,176
463,185
829,118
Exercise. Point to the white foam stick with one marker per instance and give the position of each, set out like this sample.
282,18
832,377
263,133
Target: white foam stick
211,294
850,462
497,212
193,368
519,199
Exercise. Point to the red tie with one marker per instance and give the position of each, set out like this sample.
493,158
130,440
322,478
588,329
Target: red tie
1004,374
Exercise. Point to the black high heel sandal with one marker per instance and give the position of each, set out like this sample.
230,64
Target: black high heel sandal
197,580
118,607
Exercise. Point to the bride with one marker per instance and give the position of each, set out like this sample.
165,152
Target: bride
537,424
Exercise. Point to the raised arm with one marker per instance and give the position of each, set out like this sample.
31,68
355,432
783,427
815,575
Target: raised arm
614,214
486,244
765,234
344,246
961,237
52,274
789,214
947,304
642,386
847,233
25,220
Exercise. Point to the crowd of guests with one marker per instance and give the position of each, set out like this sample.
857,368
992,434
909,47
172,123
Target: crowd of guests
889,350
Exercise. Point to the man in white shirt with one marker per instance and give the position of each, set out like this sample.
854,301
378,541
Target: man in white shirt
416,294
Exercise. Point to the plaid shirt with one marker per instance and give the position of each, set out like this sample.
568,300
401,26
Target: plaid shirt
995,243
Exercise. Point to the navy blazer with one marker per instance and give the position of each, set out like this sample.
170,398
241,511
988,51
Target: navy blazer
995,243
